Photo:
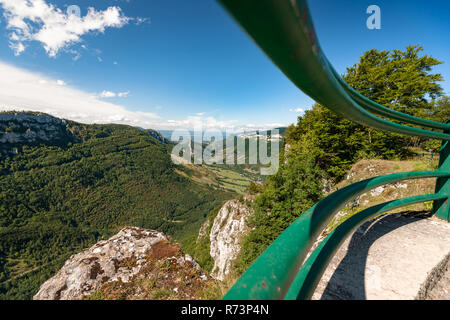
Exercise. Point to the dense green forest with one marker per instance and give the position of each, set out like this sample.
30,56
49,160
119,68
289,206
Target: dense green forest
56,200
322,146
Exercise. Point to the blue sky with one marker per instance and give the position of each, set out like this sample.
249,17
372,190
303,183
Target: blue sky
169,63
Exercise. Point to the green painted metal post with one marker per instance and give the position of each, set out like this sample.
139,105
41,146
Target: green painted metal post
441,208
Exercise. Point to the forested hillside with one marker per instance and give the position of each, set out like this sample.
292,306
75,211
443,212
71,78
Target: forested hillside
56,200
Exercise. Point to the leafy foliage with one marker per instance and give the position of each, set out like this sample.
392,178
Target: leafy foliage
285,196
400,80
341,142
322,147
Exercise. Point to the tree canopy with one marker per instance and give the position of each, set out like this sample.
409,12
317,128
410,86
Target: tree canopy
322,146
400,80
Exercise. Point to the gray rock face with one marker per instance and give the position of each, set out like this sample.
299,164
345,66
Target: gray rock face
20,128
158,136
228,228
203,230
88,270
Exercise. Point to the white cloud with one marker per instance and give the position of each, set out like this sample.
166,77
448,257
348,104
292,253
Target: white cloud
36,20
76,54
210,123
109,94
147,115
204,122
297,110
139,20
123,94
17,47
24,90
265,126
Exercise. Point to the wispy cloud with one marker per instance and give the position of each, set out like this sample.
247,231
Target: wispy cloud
37,20
211,123
203,122
123,94
109,94
297,110
24,90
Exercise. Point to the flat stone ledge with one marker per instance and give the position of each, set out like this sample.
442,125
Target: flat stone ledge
437,284
387,259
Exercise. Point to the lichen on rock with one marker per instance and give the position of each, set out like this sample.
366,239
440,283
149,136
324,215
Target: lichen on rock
134,264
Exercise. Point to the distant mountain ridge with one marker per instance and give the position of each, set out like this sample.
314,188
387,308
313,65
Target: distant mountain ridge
18,129
168,133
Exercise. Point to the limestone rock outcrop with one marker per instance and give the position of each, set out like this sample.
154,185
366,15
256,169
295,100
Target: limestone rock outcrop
119,265
157,135
229,227
20,128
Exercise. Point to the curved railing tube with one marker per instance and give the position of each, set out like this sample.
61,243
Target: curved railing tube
312,270
270,276
384,111
284,31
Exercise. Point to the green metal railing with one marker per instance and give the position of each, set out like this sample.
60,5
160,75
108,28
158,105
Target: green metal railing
427,156
283,29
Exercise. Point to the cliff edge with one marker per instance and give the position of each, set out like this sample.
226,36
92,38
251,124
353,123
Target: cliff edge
134,264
